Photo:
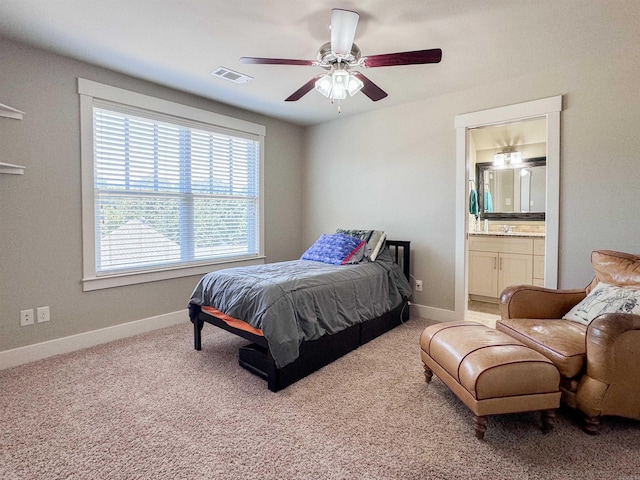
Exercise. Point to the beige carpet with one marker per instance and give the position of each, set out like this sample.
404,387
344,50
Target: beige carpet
150,407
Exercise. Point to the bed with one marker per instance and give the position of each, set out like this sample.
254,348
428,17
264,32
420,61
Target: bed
304,314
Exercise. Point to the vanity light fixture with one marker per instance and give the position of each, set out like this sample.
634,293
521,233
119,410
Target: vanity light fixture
508,156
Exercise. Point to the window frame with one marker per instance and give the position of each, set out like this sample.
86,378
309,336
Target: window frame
93,94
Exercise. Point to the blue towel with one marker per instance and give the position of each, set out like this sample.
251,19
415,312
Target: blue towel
488,202
473,202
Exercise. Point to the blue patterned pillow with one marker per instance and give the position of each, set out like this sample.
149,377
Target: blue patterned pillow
336,249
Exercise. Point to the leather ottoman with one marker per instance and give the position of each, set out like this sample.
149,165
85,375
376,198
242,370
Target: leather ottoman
491,372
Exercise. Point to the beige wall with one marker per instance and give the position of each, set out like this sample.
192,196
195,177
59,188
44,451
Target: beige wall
40,216
392,169
395,169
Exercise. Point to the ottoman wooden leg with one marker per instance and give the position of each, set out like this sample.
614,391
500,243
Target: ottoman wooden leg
427,373
481,426
548,420
591,425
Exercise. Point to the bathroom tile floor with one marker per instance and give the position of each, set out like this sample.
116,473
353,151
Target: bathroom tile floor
483,312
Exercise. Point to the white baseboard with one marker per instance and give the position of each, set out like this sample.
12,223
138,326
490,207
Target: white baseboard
432,313
31,353
39,351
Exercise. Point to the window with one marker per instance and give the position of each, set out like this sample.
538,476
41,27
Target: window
169,195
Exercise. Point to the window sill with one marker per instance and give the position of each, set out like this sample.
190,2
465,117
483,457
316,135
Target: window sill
134,278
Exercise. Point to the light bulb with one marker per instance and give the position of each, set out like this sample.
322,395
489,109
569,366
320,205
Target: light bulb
340,84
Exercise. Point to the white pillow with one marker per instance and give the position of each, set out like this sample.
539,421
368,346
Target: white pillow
605,298
376,242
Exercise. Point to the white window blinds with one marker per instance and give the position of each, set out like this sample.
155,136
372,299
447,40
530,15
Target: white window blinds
171,193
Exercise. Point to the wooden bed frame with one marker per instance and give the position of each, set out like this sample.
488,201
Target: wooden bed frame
315,354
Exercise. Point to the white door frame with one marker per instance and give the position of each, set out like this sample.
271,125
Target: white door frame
546,107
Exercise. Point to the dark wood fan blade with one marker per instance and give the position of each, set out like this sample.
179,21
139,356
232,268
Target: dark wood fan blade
275,61
370,89
404,58
303,90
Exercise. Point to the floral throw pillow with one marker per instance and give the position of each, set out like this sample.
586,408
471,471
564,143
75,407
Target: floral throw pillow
375,240
605,298
336,249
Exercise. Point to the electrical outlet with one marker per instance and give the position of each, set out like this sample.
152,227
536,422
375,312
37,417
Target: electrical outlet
26,317
42,314
418,285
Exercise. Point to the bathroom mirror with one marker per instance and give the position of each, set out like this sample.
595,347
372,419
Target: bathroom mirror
512,192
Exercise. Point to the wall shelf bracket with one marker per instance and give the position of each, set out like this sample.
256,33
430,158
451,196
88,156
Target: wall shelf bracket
10,112
11,169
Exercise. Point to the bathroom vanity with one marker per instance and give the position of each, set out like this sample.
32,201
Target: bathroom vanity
500,259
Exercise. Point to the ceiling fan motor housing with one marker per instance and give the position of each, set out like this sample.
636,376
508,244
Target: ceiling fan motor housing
327,57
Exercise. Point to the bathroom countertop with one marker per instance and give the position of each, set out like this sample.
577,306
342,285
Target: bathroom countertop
508,234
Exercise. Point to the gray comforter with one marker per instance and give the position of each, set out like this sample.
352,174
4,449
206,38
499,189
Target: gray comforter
303,300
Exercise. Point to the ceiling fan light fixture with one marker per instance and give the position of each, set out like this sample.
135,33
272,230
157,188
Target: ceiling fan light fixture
337,84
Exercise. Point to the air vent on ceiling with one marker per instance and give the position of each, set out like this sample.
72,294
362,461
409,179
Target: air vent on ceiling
231,75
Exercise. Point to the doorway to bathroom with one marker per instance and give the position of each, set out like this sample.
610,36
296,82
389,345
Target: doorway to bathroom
507,198
506,216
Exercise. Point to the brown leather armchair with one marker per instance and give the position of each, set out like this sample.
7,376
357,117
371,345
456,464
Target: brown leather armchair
599,364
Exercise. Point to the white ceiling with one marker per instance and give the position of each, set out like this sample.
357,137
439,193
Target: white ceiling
518,133
178,42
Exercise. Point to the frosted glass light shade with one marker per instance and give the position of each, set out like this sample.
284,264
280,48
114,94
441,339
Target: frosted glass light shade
340,84
515,157
355,85
324,85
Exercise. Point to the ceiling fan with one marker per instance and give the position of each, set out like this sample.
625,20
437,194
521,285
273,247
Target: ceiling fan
340,55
